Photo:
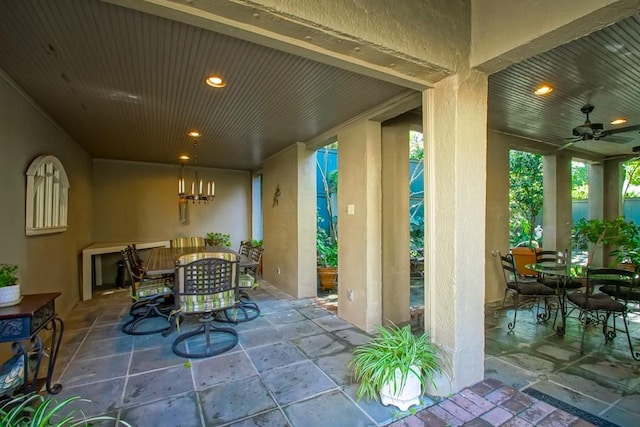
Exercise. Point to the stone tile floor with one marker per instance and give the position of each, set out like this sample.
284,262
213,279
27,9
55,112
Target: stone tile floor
290,368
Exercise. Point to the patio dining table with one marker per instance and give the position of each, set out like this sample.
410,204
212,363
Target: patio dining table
162,261
564,272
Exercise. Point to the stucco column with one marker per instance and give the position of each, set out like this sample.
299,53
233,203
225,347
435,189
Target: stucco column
497,223
395,221
455,162
359,224
289,218
613,179
605,198
556,210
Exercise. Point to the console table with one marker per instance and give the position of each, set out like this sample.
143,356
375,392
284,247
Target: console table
25,321
89,268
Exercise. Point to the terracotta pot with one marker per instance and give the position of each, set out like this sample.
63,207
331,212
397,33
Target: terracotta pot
328,278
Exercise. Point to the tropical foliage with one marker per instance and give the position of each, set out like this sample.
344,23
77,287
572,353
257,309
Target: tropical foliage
579,181
416,198
525,195
631,179
35,410
589,234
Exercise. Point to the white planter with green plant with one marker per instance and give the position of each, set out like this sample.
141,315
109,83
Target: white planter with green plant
9,286
397,365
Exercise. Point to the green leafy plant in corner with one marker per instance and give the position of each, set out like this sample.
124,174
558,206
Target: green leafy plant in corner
218,239
327,249
8,275
396,348
35,410
615,232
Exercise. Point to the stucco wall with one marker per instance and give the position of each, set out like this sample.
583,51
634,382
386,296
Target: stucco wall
535,26
50,262
139,201
443,25
497,224
280,220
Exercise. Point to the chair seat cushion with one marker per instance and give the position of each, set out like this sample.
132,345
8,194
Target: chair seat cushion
596,302
208,302
153,287
246,281
531,288
622,292
556,282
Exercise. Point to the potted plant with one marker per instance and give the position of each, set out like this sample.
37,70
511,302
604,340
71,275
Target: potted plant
38,410
609,232
398,365
9,286
218,239
327,260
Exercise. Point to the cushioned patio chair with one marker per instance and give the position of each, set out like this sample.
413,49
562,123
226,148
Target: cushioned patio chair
245,310
559,259
524,288
255,255
245,247
599,308
151,296
188,242
206,283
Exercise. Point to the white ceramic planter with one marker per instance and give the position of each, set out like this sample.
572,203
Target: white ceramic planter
9,295
405,398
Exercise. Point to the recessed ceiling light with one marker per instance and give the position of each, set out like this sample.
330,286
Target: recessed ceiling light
619,121
183,157
543,89
194,134
216,81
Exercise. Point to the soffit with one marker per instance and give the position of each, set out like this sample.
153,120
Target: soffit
128,85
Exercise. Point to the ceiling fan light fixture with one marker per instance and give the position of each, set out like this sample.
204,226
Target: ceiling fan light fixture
544,89
194,134
183,157
619,121
215,81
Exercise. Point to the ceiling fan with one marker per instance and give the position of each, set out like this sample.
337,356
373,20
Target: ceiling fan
596,131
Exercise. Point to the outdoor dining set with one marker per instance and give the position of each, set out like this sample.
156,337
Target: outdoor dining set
192,279
600,296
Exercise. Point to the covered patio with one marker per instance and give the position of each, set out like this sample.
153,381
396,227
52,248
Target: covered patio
291,368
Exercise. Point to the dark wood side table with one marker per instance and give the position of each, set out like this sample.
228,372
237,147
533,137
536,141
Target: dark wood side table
25,321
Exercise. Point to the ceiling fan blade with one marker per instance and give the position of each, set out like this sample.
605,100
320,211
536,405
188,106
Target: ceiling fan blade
633,128
614,139
566,145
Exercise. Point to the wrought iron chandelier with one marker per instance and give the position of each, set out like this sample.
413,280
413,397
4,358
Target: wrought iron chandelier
201,192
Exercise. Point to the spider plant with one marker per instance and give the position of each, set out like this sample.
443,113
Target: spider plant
35,410
395,350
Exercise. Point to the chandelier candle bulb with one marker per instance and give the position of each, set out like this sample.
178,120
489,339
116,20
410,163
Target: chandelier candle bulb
193,188
213,188
200,192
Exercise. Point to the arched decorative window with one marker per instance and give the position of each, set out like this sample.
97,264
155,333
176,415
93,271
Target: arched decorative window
47,196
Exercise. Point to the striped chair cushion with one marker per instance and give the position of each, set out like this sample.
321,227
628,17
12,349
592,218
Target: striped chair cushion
150,288
247,281
203,303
